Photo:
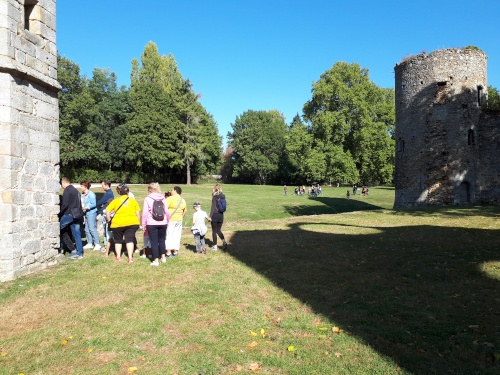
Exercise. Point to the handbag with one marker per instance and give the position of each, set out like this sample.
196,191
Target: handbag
117,211
76,212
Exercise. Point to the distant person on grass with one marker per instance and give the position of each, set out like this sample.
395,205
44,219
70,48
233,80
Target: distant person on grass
102,204
177,210
125,222
286,190
217,217
71,202
155,218
89,207
348,195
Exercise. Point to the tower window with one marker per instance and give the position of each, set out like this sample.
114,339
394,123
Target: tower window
29,9
401,146
441,83
479,94
470,138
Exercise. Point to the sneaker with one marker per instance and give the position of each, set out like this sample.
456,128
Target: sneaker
143,256
103,249
136,250
88,246
155,263
131,260
97,247
176,253
164,260
198,253
119,259
224,245
204,250
74,256
169,255
150,256
214,248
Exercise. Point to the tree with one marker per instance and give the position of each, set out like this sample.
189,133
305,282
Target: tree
258,139
352,121
493,99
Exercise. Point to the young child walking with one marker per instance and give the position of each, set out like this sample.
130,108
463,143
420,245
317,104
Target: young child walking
199,228
348,194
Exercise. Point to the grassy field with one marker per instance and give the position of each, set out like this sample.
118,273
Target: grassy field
307,286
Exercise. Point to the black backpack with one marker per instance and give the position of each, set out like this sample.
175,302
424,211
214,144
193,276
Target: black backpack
158,211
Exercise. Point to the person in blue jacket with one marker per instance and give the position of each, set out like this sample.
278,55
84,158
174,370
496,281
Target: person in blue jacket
89,207
101,205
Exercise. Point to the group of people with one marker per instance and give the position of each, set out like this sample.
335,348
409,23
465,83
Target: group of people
161,221
364,191
313,190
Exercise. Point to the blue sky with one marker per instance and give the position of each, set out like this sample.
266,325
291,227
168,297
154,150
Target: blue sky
264,55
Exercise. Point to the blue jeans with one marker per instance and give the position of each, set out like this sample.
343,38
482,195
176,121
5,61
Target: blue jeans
105,229
91,229
67,220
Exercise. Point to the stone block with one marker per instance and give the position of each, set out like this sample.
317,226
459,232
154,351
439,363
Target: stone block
30,121
39,184
10,162
8,179
46,170
46,111
7,265
38,28
27,182
37,198
14,197
10,241
9,115
7,50
7,253
40,138
5,36
8,212
30,247
20,272
19,227
31,167
53,185
50,97
23,45
21,102
28,259
37,65
44,16
52,48
26,212
52,230
52,72
55,153
32,38
48,198
35,267
46,57
48,5
32,224
36,152
34,90
20,57
10,10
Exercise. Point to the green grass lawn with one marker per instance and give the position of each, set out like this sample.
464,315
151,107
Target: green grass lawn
413,291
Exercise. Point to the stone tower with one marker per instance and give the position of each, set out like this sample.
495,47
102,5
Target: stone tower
444,140
29,137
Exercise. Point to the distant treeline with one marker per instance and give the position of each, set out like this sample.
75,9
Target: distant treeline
156,129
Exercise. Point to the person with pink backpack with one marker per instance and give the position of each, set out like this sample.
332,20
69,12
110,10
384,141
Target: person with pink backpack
155,218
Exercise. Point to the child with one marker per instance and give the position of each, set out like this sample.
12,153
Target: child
199,228
348,194
146,249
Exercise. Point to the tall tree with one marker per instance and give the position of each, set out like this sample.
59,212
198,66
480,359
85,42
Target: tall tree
352,120
258,139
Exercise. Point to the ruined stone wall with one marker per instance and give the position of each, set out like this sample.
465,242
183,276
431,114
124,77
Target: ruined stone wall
29,137
438,99
488,176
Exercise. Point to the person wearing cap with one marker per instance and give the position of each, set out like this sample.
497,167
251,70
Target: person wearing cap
125,222
199,228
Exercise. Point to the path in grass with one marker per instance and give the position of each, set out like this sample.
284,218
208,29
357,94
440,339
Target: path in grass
415,290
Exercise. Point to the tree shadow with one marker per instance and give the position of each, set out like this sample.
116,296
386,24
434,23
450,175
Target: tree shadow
416,294
331,206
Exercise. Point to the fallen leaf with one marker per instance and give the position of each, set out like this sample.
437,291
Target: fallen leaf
348,333
3,354
280,353
234,348
291,348
166,283
398,369
262,332
298,318
64,342
440,355
104,277
252,344
337,330
323,328
70,337
90,350
322,336
279,319
338,355
255,367
253,333
238,368
132,369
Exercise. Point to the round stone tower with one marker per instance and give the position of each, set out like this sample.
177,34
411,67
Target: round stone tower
438,107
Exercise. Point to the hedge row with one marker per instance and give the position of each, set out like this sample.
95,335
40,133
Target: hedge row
79,175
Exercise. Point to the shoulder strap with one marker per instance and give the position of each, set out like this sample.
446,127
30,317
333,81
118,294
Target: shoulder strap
119,208
173,213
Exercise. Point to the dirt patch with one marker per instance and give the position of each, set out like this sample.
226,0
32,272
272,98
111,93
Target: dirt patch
28,313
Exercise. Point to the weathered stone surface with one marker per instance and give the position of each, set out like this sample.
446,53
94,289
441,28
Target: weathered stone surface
29,139
447,147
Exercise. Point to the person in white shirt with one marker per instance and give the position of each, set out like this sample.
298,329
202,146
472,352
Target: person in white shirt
199,228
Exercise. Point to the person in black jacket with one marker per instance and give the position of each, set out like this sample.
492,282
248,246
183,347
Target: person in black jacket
71,199
217,217
102,204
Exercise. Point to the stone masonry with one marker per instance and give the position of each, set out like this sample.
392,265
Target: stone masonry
29,137
447,145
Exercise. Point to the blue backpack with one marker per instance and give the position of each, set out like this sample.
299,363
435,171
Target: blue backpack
221,205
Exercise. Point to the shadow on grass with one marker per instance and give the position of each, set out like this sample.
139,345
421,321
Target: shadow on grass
449,211
331,206
415,294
